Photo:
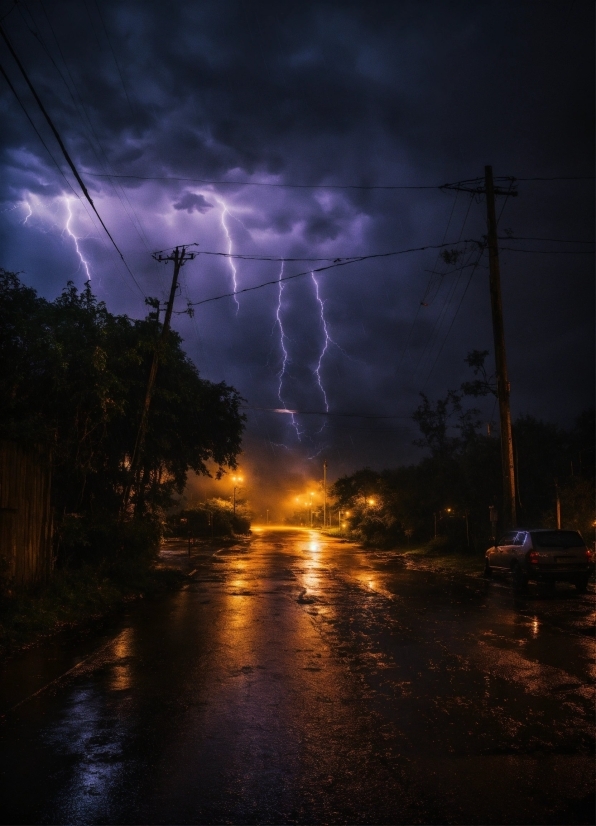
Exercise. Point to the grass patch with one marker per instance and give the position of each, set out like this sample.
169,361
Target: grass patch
461,561
76,598
441,553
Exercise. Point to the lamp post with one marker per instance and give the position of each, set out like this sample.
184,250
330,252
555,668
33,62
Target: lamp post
325,493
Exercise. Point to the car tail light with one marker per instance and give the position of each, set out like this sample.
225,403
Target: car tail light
533,557
588,555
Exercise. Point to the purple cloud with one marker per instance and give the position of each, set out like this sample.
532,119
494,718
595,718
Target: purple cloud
192,202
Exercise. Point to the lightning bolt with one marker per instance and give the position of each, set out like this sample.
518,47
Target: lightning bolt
328,341
30,212
282,342
225,211
67,228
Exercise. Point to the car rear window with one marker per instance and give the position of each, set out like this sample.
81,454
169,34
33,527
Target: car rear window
557,539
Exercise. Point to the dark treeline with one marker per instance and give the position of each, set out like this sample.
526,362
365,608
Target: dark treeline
73,382
213,518
450,491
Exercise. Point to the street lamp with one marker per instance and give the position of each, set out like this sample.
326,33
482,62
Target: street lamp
235,480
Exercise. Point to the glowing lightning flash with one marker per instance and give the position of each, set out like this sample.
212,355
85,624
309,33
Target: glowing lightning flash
285,357
30,213
76,240
328,340
225,211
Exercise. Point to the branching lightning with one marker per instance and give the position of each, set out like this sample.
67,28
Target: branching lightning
284,350
28,205
328,340
225,211
67,228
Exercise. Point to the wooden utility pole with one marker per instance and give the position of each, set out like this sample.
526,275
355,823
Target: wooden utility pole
503,387
179,256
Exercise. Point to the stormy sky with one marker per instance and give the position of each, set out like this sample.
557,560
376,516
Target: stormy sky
277,131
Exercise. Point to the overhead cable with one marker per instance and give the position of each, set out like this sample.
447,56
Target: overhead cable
183,179
548,252
36,130
551,240
328,267
176,178
66,154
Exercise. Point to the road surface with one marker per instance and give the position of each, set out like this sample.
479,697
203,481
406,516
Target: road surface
299,679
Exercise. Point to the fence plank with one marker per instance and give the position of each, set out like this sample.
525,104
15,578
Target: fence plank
25,513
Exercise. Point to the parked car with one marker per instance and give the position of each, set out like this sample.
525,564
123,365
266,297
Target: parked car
541,556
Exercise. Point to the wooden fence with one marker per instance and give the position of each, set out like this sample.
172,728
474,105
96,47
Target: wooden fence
25,513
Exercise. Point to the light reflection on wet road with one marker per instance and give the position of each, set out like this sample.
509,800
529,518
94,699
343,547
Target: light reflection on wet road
300,679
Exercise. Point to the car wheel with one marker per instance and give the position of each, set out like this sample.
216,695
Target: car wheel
520,580
581,585
488,571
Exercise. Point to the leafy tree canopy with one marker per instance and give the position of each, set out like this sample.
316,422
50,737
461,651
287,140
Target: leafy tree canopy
73,380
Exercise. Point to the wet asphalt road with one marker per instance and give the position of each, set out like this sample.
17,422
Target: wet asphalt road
298,679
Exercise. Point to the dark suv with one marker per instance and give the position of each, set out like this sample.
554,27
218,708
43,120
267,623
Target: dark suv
542,556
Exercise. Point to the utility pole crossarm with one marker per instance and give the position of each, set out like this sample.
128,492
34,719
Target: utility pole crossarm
478,189
179,256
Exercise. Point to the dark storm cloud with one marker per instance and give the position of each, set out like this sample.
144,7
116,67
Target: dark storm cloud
319,93
192,202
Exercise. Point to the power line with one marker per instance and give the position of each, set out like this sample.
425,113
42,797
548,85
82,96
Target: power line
87,124
65,153
572,178
176,178
328,267
551,240
112,51
250,257
463,295
453,319
36,130
549,252
79,106
431,341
